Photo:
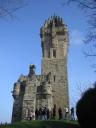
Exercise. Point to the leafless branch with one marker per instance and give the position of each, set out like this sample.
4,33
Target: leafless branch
8,7
84,3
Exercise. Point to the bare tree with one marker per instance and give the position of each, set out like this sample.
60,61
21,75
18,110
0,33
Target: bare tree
89,6
78,90
8,7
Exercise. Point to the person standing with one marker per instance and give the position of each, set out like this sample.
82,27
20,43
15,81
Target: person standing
72,114
36,113
54,112
40,114
44,114
60,113
48,113
66,112
31,114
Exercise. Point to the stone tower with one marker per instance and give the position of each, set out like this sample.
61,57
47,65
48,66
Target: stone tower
54,40
51,87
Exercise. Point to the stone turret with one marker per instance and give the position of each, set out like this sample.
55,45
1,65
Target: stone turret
44,95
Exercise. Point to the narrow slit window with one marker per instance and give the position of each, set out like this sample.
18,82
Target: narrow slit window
54,77
54,53
49,54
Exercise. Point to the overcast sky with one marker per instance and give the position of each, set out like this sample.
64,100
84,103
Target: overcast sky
20,46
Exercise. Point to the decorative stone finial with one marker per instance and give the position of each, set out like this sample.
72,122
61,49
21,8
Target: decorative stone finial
32,70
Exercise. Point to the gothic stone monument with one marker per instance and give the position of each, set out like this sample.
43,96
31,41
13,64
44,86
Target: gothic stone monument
51,87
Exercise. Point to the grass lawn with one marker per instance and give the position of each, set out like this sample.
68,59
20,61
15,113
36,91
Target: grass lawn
43,124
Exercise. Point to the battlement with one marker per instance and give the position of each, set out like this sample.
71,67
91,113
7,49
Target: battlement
53,21
54,25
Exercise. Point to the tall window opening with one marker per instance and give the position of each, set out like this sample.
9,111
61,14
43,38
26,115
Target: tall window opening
54,77
48,54
54,53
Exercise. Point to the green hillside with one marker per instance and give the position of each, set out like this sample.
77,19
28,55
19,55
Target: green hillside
42,124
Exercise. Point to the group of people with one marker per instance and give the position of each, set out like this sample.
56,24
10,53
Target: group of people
45,114
40,114
66,114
